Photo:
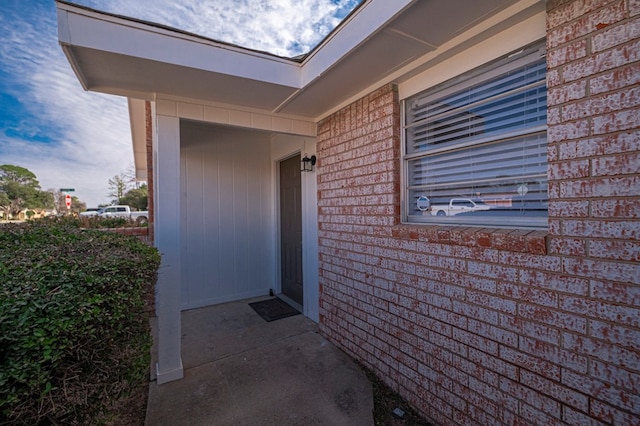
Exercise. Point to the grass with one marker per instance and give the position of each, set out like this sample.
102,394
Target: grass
386,400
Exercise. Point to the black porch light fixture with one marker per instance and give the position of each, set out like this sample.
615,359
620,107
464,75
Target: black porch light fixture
308,163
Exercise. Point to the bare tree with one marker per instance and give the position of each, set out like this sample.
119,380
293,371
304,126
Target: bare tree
130,177
117,187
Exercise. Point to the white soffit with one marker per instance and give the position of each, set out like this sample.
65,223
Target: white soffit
121,56
415,30
126,57
138,123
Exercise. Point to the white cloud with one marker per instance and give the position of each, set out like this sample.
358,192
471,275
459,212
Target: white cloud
92,140
282,27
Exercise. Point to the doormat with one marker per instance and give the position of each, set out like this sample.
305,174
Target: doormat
273,309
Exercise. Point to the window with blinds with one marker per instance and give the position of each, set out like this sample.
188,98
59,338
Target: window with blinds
475,148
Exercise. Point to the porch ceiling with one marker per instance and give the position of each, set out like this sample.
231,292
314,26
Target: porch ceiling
122,56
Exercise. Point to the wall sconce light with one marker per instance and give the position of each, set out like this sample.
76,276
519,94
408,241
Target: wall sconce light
308,163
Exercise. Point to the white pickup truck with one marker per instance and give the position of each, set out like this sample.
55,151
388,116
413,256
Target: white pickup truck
457,206
124,211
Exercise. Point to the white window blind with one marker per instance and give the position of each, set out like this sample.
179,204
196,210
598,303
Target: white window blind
480,138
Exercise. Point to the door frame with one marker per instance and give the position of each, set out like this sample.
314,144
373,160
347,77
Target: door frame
286,146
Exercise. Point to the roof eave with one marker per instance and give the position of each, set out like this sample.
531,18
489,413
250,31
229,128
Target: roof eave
138,123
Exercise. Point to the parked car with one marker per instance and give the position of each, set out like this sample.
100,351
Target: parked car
92,211
457,206
125,212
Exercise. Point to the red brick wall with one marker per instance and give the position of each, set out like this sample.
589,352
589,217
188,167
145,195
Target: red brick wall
480,326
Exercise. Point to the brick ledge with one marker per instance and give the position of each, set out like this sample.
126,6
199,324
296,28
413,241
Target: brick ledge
514,240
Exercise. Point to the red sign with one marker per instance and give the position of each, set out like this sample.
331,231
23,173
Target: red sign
67,200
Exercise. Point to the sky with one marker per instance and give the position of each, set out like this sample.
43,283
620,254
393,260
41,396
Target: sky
70,138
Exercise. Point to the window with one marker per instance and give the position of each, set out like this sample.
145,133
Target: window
475,147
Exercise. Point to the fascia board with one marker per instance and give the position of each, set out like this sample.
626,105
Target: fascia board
64,38
82,28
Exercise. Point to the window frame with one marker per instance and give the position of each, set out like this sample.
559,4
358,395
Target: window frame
527,55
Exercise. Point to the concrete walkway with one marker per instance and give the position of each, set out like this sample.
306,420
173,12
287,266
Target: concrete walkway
242,370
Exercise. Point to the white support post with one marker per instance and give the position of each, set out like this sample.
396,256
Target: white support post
167,240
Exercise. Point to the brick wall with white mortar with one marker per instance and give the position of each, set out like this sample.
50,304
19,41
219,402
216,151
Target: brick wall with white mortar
480,326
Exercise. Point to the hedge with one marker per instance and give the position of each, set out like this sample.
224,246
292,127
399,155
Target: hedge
74,334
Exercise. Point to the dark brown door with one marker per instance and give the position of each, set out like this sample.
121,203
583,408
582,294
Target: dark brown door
291,228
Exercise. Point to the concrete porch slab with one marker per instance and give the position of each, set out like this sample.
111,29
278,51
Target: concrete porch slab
242,370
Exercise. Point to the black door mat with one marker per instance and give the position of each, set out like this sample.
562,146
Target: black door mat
273,309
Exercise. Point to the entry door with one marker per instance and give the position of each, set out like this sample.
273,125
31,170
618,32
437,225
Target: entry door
291,228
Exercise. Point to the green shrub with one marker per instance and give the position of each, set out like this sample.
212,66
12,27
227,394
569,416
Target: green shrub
74,336
103,222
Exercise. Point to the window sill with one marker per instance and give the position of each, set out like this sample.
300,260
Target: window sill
513,240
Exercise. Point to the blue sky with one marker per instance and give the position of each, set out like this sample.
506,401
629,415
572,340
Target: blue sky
75,139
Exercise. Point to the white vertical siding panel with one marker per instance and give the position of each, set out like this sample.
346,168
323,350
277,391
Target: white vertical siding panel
193,241
226,212
268,225
228,223
212,208
260,220
185,238
240,214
